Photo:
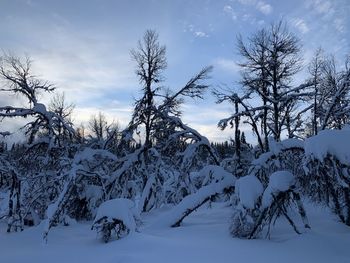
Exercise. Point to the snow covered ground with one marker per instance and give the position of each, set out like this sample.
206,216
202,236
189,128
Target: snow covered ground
203,237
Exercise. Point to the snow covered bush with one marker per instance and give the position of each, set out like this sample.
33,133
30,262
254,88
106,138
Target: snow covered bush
34,167
327,171
285,155
248,191
116,217
256,209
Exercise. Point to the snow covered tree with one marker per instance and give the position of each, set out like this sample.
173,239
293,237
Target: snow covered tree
334,103
315,71
151,61
33,186
157,113
270,59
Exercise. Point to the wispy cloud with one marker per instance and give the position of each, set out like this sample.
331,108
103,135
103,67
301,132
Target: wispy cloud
300,24
195,31
324,7
200,34
339,24
227,65
229,10
334,12
262,6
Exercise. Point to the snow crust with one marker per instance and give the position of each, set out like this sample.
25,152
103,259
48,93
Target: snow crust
119,208
279,181
248,189
333,142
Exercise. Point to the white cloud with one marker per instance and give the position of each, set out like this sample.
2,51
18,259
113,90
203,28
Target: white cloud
200,34
247,2
120,115
91,69
195,114
301,25
333,12
229,10
339,25
320,6
264,7
194,30
226,65
261,6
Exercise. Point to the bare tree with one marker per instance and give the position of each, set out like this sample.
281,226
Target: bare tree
158,113
17,78
315,70
104,134
151,61
334,105
59,106
98,125
270,59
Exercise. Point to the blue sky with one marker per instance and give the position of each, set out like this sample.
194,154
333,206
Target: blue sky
83,47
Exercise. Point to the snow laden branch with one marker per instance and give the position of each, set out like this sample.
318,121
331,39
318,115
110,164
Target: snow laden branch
191,202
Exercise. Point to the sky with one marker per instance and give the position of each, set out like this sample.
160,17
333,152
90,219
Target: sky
83,46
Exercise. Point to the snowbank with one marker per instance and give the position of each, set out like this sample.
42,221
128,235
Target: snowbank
248,189
333,142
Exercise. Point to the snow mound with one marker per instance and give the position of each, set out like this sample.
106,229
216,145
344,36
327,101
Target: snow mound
280,181
119,208
333,142
248,190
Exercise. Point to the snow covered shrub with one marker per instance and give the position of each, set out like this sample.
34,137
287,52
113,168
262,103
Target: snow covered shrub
257,209
248,191
243,223
327,169
284,155
116,217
